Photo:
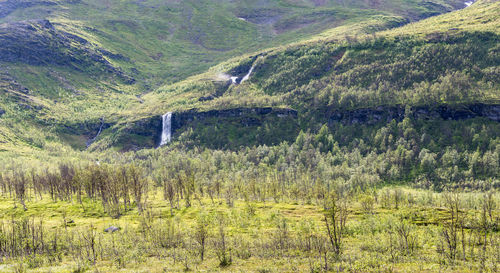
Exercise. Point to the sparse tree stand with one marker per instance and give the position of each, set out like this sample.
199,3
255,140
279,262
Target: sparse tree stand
336,213
486,225
170,194
138,185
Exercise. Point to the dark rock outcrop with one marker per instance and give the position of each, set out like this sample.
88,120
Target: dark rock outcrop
220,89
38,42
2,112
398,113
247,116
7,83
150,128
146,133
241,70
89,128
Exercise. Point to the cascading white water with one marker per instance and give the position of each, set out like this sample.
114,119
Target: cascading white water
468,3
247,76
90,141
166,133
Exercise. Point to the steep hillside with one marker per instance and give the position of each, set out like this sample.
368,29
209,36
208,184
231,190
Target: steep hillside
74,73
453,67
387,62
179,39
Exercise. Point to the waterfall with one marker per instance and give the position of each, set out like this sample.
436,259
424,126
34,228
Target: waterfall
90,141
247,76
468,3
166,133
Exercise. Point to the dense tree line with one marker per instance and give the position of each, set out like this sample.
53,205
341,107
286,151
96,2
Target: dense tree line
444,155
116,187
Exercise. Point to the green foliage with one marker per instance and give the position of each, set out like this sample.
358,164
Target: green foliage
250,193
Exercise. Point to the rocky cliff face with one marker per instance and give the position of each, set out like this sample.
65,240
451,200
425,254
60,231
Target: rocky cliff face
9,6
143,133
398,113
247,116
146,133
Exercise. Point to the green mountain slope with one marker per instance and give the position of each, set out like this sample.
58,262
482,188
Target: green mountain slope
351,71
92,60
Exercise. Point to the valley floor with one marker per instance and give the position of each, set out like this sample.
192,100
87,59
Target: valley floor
389,230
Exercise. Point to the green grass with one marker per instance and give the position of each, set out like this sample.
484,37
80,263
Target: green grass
364,247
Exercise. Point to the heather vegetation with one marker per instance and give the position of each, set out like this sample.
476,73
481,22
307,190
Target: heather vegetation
321,136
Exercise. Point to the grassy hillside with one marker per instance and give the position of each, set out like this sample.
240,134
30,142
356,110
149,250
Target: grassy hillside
456,63
97,59
179,39
101,75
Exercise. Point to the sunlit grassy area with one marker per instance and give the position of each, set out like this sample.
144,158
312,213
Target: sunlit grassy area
255,230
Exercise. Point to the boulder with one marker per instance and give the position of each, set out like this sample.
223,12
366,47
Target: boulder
112,229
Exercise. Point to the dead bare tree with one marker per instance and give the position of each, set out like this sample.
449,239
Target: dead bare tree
170,194
138,185
20,185
336,214
220,243
201,233
451,228
407,238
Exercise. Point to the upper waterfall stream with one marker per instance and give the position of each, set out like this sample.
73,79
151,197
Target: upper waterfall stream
247,76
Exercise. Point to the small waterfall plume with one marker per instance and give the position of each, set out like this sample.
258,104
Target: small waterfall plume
166,134
468,3
90,141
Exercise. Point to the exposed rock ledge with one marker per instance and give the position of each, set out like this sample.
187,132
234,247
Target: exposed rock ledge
246,114
151,127
39,43
387,114
146,132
